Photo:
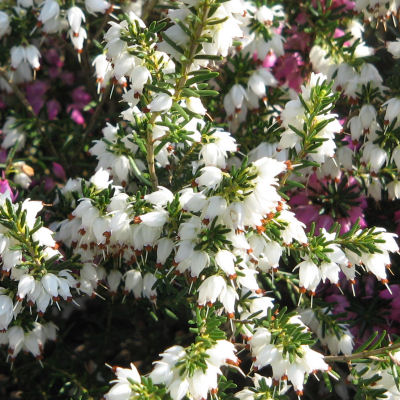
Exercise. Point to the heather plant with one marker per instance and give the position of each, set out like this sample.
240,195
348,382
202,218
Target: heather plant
199,199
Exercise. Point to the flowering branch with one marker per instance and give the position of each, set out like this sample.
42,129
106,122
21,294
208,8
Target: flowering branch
362,354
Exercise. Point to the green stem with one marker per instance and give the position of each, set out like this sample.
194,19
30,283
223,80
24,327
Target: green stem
362,354
150,156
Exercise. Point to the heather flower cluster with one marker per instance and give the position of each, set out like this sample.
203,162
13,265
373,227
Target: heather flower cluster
199,199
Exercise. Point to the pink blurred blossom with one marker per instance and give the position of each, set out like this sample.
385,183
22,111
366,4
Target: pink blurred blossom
5,186
49,183
270,60
81,98
77,116
3,154
287,70
53,108
59,171
35,94
308,212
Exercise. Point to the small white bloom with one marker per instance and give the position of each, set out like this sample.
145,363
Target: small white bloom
75,17
161,102
211,177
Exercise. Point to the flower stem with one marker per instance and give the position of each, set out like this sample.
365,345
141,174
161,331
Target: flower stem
361,354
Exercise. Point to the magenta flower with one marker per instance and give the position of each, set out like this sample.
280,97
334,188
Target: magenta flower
270,60
77,116
5,187
35,94
81,98
49,183
287,70
327,201
59,171
53,108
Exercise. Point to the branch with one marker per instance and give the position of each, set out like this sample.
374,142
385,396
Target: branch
95,115
147,8
18,93
362,354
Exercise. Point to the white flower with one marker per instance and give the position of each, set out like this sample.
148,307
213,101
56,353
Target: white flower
122,388
164,249
259,79
197,262
101,179
50,285
18,55
228,299
6,311
102,67
367,115
15,340
4,23
211,177
234,99
139,76
394,190
192,201
210,289
75,17
78,39
226,261
26,285
97,6
160,197
195,105
394,48
392,110
155,218
216,207
369,73
113,280
32,208
133,283
50,10
44,236
309,275
375,189
161,102
374,155
148,282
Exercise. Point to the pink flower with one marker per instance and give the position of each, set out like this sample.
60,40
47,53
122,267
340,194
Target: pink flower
77,117
68,78
339,33
325,201
35,94
3,154
59,171
80,97
347,5
299,41
53,58
287,70
394,310
49,183
5,186
53,108
301,19
270,60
